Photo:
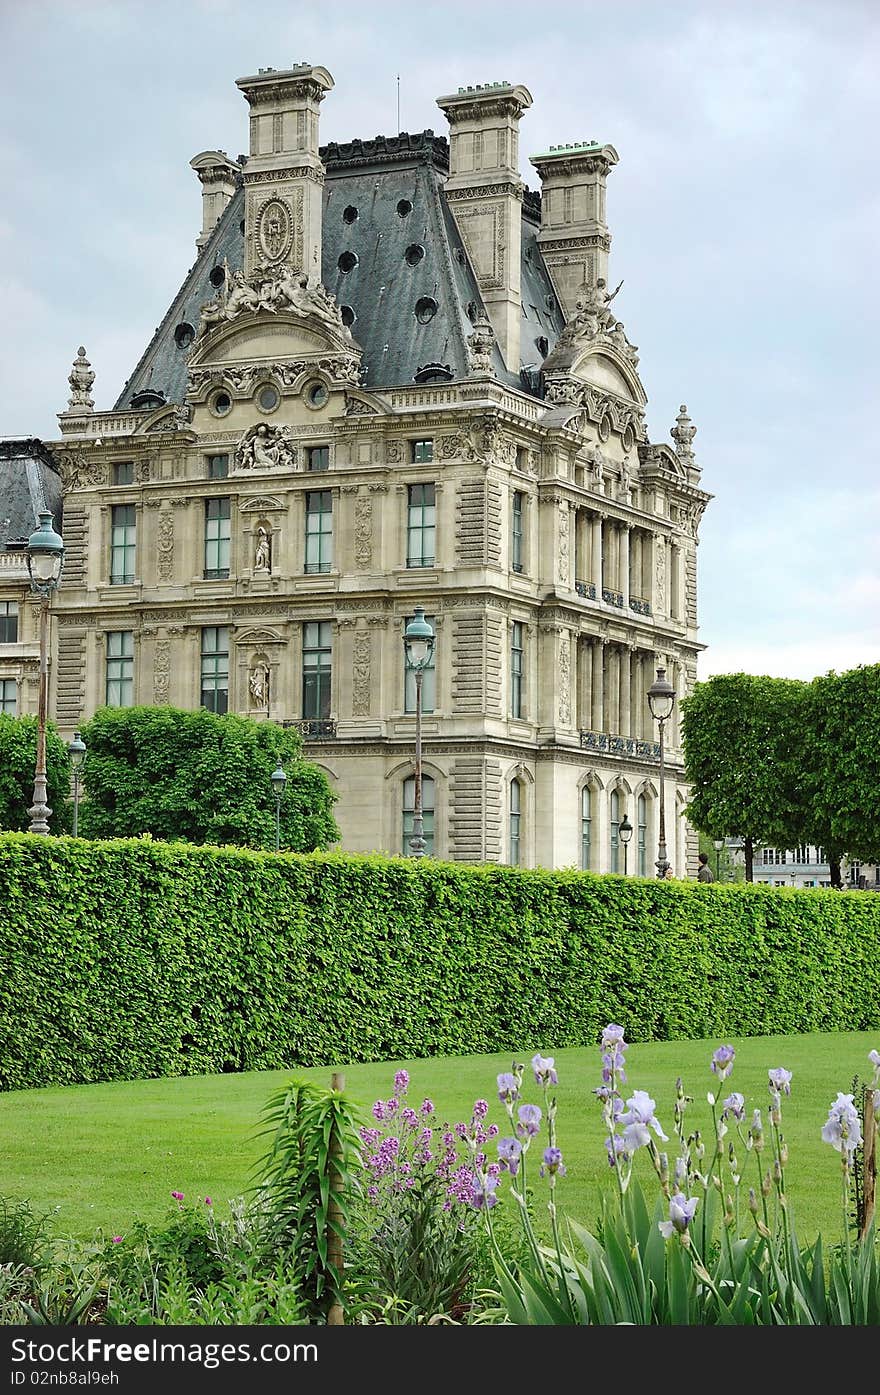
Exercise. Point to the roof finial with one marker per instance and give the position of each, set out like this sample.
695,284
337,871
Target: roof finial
683,433
81,379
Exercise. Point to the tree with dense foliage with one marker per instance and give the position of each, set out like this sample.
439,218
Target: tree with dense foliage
840,736
741,737
18,758
201,778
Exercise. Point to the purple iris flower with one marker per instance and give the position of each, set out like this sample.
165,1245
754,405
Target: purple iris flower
553,1163
843,1128
545,1072
681,1213
508,1088
722,1061
734,1107
638,1119
780,1081
509,1154
529,1120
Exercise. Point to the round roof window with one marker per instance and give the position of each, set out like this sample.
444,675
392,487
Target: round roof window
414,254
184,335
218,276
347,261
350,214
348,315
426,309
404,208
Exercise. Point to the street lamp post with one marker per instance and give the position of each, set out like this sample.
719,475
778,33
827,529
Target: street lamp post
624,833
45,559
718,844
279,780
661,700
77,751
418,647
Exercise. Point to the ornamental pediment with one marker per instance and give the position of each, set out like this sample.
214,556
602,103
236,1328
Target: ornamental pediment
267,337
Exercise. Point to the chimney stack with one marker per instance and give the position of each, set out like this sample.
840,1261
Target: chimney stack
218,176
284,174
574,236
485,193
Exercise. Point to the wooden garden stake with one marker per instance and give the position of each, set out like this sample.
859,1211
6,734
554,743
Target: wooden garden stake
869,1165
334,1240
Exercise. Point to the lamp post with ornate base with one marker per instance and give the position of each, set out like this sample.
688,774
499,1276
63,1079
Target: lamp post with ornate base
418,647
624,833
661,700
76,749
279,780
45,559
718,844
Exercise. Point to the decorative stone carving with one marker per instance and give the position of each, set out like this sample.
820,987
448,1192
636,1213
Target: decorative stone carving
265,447
660,571
262,556
360,674
363,530
625,485
565,680
273,287
480,345
72,472
274,229
258,685
683,433
563,542
165,546
394,452
161,671
81,379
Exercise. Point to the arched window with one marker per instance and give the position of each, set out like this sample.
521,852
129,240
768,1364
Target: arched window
586,828
642,852
409,804
515,821
615,827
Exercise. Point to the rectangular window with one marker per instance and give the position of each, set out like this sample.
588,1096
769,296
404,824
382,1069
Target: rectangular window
8,696
429,678
586,829
217,536
218,467
120,668
517,647
215,668
123,472
318,458
421,526
122,544
8,622
319,530
515,818
516,532
422,452
317,670
642,848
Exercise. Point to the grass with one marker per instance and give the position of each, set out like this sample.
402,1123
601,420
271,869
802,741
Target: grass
102,1155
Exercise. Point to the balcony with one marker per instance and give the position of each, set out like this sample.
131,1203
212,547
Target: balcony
585,589
612,597
640,605
610,745
311,729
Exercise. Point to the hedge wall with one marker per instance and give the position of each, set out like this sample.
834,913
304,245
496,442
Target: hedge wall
136,958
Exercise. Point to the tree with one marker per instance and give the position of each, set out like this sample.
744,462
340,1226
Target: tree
18,758
841,756
200,778
742,760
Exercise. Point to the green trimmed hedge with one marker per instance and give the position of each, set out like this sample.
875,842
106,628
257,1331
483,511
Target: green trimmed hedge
134,958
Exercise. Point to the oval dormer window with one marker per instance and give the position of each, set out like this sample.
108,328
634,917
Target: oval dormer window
149,398
426,309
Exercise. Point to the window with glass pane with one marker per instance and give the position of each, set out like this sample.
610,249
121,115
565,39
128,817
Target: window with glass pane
8,696
317,670
422,452
120,668
586,828
215,668
643,836
319,530
516,536
517,643
420,530
515,818
429,678
218,467
122,542
615,829
217,536
8,622
123,472
409,804
318,458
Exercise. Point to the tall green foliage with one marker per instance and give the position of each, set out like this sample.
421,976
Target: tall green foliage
201,778
840,736
18,757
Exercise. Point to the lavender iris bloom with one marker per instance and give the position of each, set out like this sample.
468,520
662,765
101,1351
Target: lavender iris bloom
843,1129
509,1154
545,1073
638,1119
483,1193
553,1163
722,1061
529,1120
780,1081
508,1088
681,1213
734,1107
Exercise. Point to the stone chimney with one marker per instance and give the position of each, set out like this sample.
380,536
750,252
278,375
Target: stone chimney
574,236
218,176
485,193
284,175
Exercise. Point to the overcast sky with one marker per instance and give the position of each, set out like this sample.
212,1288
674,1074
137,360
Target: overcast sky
744,213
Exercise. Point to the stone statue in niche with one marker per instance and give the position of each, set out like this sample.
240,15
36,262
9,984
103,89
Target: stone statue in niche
258,685
262,556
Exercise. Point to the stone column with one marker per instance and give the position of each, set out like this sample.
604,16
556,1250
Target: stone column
623,542
625,690
596,554
584,683
659,586
613,714
596,684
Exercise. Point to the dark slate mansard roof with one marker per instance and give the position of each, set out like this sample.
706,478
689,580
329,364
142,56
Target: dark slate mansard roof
366,190
29,485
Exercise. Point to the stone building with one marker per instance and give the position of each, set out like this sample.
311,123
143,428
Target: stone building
29,485
392,378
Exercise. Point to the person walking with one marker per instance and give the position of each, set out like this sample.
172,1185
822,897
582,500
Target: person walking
705,873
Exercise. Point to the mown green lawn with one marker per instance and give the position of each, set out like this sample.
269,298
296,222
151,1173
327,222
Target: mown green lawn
105,1154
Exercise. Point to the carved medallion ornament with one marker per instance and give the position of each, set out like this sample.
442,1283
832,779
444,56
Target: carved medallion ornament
274,230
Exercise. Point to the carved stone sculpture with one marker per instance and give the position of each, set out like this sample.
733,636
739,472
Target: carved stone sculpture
273,288
266,447
262,554
683,433
81,379
480,345
258,685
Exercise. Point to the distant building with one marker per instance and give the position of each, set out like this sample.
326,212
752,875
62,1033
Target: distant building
392,378
808,867
30,484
